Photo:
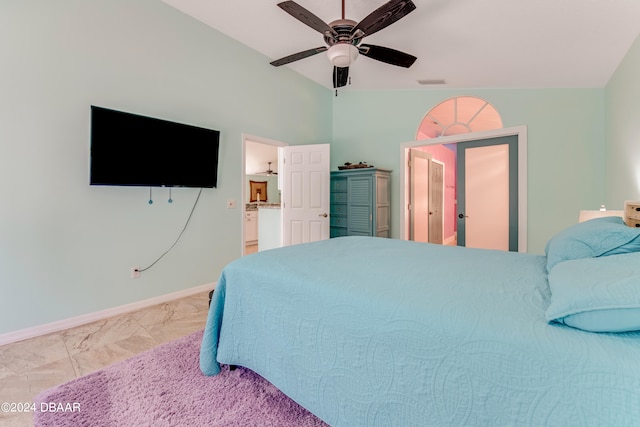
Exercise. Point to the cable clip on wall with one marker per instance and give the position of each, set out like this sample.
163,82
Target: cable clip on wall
151,196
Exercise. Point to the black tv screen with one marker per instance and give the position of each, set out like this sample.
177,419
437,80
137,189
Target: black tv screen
130,149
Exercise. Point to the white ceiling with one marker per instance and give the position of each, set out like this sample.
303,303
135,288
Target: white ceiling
258,156
468,43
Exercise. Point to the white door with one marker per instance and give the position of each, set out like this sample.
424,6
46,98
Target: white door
487,190
305,193
419,165
487,197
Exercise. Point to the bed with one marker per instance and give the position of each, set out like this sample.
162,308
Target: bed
367,331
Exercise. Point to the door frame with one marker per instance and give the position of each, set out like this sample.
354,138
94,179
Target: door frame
243,171
519,131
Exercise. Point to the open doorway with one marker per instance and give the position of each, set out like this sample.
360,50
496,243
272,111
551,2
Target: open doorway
451,213
260,166
484,177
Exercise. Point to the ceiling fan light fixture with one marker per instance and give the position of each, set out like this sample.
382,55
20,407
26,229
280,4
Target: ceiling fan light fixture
342,54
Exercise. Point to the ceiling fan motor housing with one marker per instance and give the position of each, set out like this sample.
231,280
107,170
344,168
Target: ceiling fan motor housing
343,28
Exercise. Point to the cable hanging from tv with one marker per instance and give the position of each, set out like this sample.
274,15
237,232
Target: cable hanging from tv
181,232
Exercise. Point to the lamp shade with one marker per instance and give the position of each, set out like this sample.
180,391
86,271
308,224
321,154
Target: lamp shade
587,215
342,54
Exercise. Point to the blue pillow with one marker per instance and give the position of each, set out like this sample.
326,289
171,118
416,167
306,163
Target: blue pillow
597,294
593,238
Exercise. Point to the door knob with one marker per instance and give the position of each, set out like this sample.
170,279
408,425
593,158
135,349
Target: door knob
462,216
323,215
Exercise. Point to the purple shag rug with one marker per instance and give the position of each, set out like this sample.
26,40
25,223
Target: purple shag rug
164,387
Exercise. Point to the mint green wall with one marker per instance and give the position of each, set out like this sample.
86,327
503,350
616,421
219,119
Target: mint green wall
66,248
565,144
623,130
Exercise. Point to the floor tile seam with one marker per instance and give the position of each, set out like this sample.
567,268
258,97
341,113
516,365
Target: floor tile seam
73,366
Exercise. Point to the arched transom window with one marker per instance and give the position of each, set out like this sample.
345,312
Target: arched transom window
462,114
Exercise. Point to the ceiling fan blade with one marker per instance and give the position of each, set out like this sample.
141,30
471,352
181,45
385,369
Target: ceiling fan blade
388,55
384,16
340,76
306,17
297,56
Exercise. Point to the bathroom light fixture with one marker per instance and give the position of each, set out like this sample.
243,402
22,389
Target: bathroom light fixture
342,54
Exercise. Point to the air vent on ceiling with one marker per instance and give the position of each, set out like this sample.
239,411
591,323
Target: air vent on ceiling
432,82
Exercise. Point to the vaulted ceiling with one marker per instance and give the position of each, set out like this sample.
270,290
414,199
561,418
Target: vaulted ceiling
466,43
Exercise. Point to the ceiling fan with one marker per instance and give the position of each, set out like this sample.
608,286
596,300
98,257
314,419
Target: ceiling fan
343,37
269,171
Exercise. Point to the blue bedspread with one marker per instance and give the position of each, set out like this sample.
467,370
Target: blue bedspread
377,332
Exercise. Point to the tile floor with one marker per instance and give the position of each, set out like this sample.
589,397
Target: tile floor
31,366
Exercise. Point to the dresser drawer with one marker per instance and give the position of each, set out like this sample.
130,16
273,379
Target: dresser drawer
633,222
338,198
338,221
338,209
339,184
337,232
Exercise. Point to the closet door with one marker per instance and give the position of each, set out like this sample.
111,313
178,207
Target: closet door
360,205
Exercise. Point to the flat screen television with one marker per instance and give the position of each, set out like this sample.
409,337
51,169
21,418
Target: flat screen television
134,150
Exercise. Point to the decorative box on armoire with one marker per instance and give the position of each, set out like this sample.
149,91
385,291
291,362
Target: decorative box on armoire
360,202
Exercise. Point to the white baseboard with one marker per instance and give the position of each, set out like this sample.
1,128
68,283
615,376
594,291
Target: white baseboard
72,322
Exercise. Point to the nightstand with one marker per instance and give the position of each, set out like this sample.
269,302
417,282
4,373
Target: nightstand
632,213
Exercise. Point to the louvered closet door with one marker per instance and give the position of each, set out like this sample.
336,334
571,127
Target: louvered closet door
360,205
